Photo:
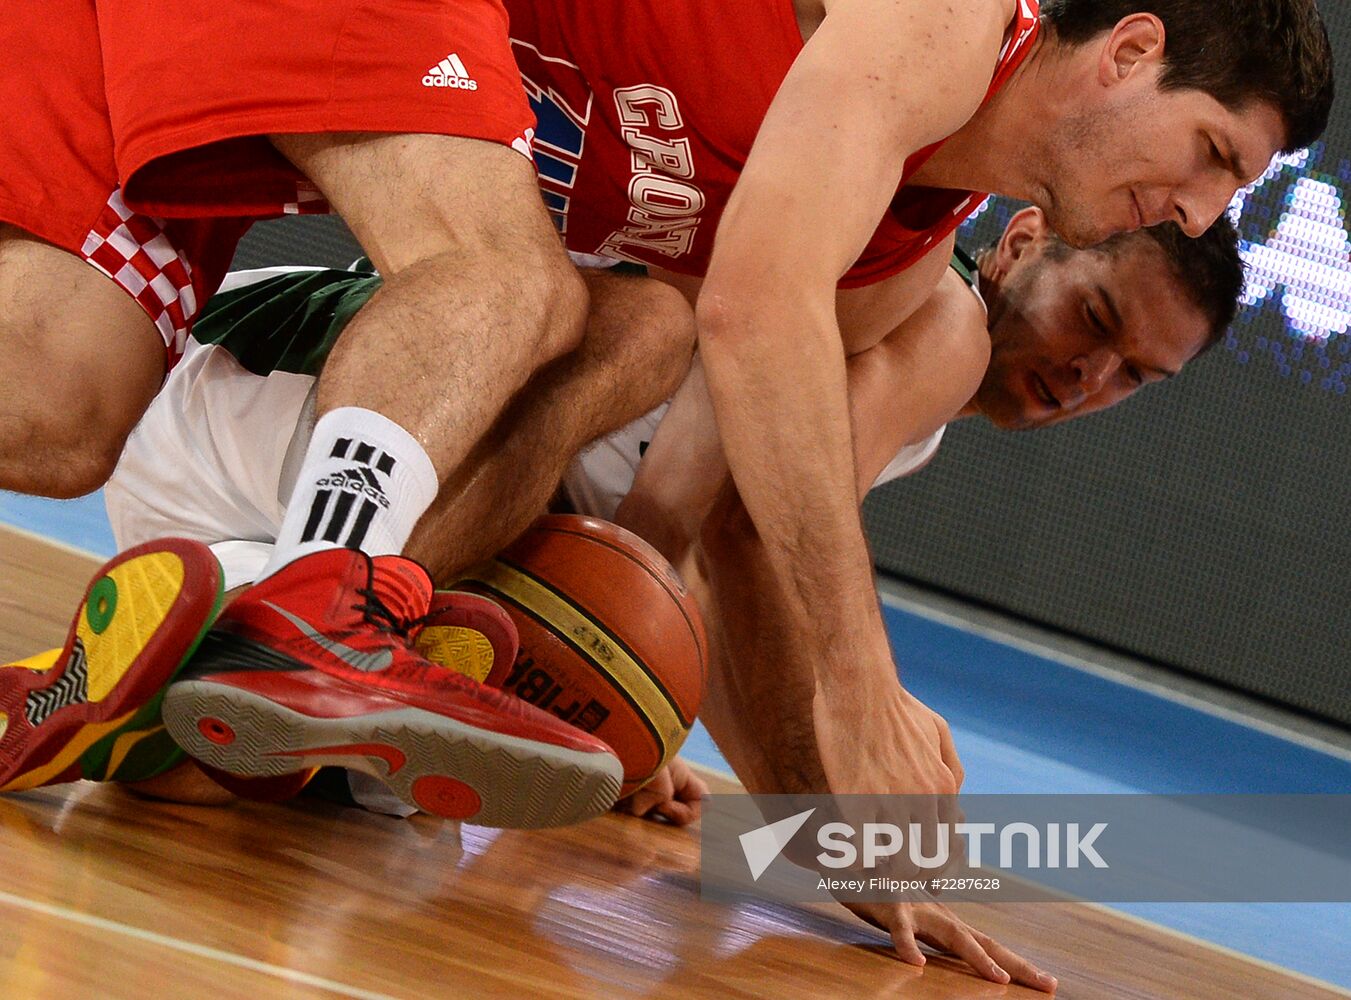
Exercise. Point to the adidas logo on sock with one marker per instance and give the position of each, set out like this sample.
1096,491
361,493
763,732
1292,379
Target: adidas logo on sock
335,509
449,72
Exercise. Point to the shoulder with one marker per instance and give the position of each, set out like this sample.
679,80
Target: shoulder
950,328
975,22
997,12
895,50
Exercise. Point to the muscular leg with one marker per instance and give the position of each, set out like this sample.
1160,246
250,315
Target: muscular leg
478,290
79,363
637,348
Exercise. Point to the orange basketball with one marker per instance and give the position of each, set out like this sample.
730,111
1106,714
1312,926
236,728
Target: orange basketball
610,639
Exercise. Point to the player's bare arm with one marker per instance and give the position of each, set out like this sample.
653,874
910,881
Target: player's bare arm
823,170
670,508
759,672
912,383
900,392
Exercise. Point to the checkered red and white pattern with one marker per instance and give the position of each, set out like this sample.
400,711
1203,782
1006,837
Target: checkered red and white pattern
309,201
136,252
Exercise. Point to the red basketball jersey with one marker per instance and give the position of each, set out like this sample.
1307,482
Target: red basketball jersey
647,110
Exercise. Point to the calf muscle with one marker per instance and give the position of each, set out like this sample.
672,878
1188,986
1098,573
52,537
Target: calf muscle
478,292
637,348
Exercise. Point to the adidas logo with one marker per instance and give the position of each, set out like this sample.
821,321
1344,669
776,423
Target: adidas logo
449,72
361,481
335,509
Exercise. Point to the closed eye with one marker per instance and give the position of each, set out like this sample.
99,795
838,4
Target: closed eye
1096,321
1228,162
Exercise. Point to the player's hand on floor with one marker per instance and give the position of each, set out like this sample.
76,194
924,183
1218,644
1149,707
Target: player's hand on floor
878,738
934,924
673,795
891,759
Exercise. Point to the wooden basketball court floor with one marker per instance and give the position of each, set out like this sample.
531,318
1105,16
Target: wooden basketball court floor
103,895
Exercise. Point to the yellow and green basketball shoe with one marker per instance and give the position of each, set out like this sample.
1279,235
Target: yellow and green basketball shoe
92,708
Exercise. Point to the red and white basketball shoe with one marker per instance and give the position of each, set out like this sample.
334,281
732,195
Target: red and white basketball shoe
462,631
313,667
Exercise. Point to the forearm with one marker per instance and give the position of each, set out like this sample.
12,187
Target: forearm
782,413
758,706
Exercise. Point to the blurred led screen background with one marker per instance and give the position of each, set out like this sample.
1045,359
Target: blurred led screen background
1206,523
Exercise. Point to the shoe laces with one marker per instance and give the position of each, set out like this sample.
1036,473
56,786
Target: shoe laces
377,613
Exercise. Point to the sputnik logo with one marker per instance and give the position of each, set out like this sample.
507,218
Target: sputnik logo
765,843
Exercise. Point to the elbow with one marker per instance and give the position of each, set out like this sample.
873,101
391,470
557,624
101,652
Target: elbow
717,315
738,336
729,530
750,308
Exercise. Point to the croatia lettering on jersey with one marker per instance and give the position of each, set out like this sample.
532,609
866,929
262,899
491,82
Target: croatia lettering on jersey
647,111
664,202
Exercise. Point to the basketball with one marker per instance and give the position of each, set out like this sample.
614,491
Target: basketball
610,639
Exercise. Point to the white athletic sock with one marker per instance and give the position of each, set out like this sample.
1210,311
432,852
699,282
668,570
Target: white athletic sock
363,485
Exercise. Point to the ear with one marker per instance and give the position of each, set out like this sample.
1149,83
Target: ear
1023,236
1134,45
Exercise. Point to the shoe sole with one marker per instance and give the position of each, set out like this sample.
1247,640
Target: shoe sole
430,761
473,637
94,713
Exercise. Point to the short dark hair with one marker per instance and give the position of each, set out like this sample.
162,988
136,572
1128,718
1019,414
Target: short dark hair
1208,268
1237,51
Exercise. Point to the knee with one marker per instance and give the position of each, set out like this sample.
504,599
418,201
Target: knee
84,464
640,324
73,384
666,331
564,300
77,475
64,451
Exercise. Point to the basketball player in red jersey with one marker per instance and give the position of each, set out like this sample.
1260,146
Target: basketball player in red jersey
1095,111
447,216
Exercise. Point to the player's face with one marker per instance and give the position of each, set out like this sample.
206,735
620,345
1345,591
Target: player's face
1149,156
1074,335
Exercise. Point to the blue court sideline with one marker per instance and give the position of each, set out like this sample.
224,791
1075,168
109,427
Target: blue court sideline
1027,723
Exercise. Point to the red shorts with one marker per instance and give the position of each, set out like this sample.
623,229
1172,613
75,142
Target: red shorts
165,105
58,180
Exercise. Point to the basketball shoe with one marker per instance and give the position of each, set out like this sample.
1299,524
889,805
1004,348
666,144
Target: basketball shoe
468,633
313,667
462,631
92,708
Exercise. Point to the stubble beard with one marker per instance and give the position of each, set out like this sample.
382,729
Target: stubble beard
1073,155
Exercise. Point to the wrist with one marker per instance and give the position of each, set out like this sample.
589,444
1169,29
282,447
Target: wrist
860,672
